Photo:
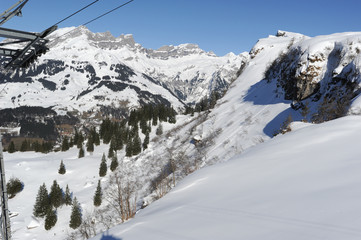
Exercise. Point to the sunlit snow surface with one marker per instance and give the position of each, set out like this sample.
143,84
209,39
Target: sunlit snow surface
303,185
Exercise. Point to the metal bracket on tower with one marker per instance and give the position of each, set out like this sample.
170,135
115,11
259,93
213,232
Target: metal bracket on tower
8,14
33,49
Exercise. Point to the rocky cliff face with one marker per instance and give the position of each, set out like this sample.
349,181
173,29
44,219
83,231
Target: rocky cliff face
318,68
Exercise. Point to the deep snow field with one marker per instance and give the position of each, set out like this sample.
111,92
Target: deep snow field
302,185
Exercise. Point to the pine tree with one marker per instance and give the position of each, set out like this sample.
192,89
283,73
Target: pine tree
24,146
65,144
56,195
96,138
42,203
71,142
110,152
103,167
119,140
67,197
114,163
80,141
75,217
155,119
11,148
81,152
137,145
76,137
36,146
98,195
62,169
90,145
129,148
146,141
50,219
14,186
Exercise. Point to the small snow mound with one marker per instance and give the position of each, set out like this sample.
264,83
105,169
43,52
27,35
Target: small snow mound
34,223
88,184
13,214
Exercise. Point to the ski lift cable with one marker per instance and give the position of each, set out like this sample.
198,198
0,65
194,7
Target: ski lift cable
92,20
114,9
76,12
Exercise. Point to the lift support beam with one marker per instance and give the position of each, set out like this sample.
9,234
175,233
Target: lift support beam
34,48
8,14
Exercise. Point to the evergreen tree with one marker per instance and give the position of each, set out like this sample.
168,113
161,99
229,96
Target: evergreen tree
71,142
56,195
42,203
137,145
46,147
50,219
159,130
119,140
14,186
24,146
114,163
67,197
96,138
146,141
110,152
98,195
155,119
80,141
36,146
129,148
75,217
76,137
143,125
11,148
62,169
65,144
81,152
90,144
103,167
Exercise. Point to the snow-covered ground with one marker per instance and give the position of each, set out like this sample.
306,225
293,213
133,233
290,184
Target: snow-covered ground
34,169
302,185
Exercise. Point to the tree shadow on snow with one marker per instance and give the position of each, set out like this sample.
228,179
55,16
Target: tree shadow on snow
109,237
264,93
275,124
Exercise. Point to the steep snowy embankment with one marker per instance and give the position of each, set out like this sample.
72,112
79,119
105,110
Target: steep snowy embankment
303,185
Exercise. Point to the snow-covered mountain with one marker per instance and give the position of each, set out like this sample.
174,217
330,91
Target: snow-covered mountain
301,185
83,71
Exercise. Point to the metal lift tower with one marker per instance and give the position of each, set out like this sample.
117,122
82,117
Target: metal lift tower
33,45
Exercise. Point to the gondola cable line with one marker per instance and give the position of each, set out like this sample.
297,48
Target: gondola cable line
90,21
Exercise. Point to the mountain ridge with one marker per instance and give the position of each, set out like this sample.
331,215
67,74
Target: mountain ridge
79,63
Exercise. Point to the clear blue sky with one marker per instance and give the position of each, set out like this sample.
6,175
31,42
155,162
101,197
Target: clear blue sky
221,26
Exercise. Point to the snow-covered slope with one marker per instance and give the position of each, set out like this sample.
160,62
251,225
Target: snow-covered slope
298,186
85,70
303,185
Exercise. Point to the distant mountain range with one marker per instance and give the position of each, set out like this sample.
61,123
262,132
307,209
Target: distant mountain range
85,71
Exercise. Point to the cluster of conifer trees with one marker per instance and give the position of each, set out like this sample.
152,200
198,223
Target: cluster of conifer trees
205,103
124,133
27,145
47,203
